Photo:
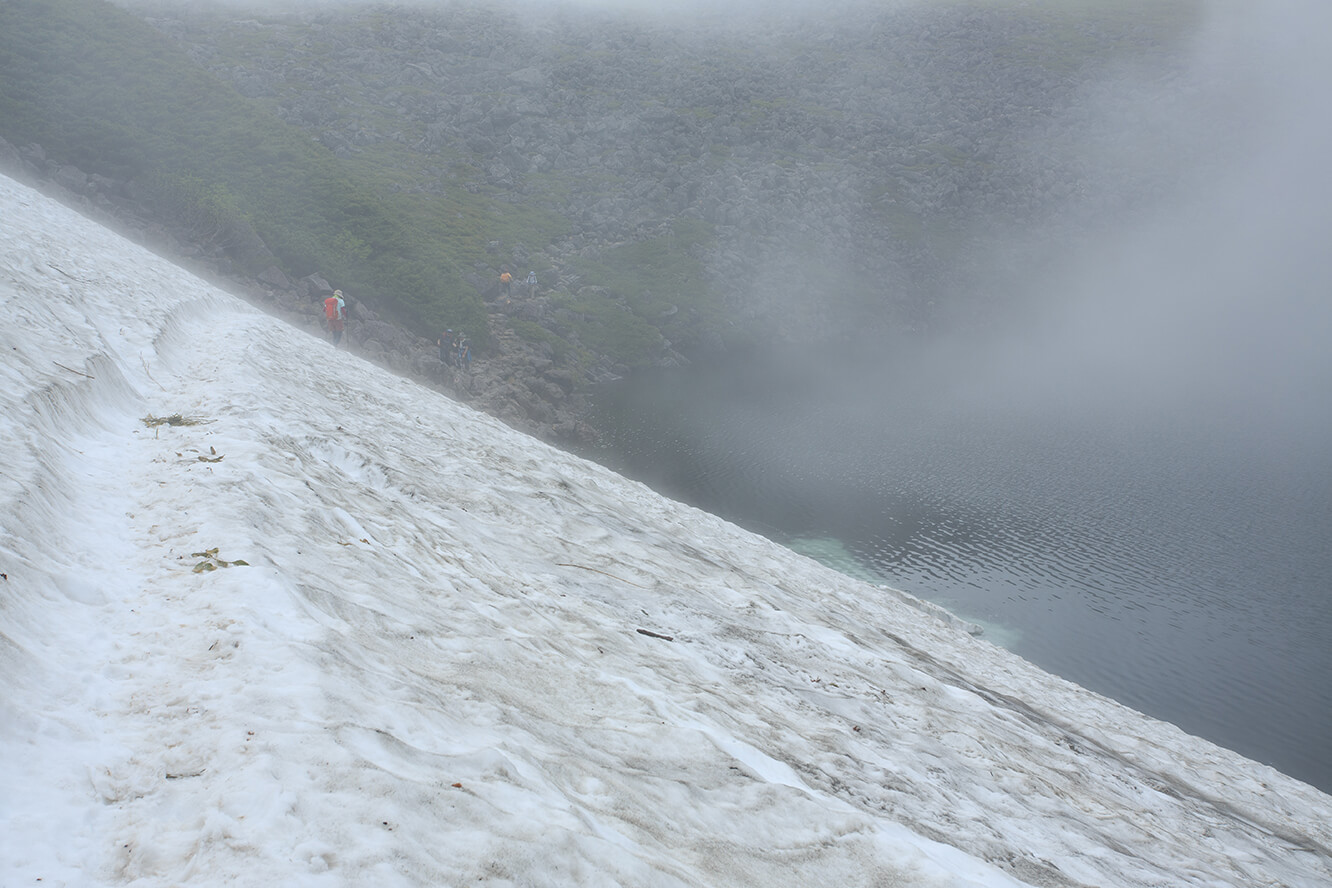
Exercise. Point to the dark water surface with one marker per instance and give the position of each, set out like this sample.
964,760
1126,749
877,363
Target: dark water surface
1162,561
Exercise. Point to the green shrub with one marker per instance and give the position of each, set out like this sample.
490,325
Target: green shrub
662,284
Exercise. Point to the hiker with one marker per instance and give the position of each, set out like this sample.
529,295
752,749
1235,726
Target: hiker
335,312
445,343
531,285
464,353
506,281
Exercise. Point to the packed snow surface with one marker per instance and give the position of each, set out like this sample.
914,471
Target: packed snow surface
454,655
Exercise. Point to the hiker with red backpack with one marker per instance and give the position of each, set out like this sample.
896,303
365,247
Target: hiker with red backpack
335,313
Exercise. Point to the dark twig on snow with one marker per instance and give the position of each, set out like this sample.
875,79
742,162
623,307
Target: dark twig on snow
72,370
602,572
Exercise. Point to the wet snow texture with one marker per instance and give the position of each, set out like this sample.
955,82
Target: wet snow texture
430,672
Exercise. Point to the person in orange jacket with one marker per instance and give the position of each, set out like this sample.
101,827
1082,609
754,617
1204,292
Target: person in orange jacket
335,313
506,281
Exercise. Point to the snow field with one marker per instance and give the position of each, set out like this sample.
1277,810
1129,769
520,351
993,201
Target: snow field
430,670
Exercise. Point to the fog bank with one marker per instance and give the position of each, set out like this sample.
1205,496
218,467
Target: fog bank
1209,312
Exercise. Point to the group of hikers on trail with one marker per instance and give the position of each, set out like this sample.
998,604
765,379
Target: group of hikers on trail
506,284
454,350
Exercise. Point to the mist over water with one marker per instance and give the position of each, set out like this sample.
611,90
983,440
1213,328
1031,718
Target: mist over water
1126,466
1217,304
1113,443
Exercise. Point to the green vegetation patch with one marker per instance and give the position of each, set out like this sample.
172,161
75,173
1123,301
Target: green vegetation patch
660,284
100,89
601,320
530,331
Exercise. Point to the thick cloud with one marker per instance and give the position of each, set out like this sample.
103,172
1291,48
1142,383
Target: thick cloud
1217,306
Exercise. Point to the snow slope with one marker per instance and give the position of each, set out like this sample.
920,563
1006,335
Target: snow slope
433,667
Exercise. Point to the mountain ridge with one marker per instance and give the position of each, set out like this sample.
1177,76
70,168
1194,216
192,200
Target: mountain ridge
678,192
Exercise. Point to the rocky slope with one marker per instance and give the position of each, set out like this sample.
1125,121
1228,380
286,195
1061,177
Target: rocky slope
864,153
516,381
871,167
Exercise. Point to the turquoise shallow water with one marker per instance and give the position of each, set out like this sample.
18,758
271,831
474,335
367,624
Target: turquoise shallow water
1183,572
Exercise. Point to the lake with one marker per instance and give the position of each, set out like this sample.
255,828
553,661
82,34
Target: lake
1174,562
